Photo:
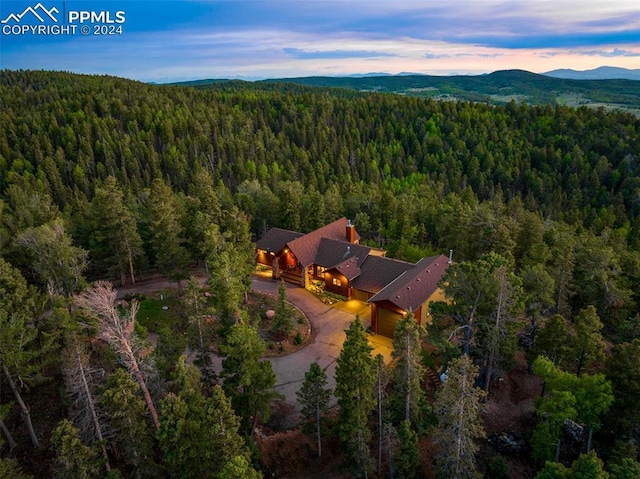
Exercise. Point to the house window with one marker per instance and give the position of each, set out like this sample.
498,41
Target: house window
337,282
320,271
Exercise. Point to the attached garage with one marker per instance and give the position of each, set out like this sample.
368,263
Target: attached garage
360,295
386,321
408,293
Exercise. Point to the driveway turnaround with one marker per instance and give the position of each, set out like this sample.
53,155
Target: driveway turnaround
328,325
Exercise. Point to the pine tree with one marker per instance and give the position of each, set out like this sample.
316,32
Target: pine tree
551,341
131,434
355,380
567,396
77,461
115,243
247,380
457,409
314,398
381,383
167,242
11,469
199,436
283,318
587,344
196,309
407,459
497,338
408,394
228,286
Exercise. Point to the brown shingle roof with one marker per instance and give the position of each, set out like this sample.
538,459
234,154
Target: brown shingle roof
379,271
305,247
349,268
276,238
413,287
332,252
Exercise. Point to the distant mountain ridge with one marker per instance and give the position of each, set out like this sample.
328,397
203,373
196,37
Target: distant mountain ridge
500,87
600,73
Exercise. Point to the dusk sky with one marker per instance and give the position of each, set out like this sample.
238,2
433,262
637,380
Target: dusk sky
165,41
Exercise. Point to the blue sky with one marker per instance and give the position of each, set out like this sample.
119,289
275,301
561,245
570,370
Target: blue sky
172,41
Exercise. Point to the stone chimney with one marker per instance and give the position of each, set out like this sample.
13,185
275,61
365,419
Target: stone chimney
350,232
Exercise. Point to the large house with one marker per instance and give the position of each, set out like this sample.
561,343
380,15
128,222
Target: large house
333,254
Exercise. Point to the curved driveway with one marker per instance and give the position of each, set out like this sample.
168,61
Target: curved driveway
328,325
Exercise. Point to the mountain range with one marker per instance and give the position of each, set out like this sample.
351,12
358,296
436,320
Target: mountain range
600,73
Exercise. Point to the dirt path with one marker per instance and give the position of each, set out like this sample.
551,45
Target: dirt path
156,283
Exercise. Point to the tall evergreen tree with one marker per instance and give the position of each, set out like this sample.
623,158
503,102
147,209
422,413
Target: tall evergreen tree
116,245
196,308
407,459
355,380
76,460
131,434
283,319
587,344
408,394
167,242
200,436
314,398
247,381
623,372
551,341
583,399
457,409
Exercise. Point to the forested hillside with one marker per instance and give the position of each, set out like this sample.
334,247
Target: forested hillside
106,178
498,88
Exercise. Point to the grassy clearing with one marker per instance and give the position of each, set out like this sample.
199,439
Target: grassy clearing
152,315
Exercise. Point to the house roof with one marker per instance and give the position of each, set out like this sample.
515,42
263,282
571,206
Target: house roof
349,268
276,238
413,287
305,247
379,271
331,253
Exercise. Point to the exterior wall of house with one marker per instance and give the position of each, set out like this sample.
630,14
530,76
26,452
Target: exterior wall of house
438,295
336,283
262,257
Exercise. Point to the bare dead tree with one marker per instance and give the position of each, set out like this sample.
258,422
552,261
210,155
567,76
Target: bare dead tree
7,434
116,327
26,415
79,378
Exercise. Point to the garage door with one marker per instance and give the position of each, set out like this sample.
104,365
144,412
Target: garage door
359,295
387,322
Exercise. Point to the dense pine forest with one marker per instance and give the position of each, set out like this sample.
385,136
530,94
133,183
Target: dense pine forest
104,178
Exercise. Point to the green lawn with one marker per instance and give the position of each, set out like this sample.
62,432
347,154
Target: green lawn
152,315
